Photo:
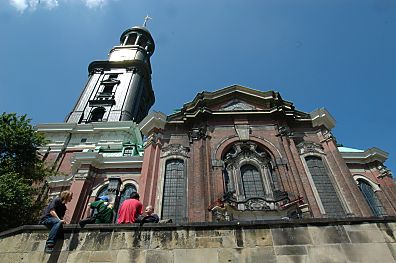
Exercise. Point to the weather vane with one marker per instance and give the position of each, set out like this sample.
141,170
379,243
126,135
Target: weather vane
145,20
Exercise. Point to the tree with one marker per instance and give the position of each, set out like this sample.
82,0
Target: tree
21,171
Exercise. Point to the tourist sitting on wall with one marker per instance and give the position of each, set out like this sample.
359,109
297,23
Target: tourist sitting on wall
148,216
53,217
130,209
103,212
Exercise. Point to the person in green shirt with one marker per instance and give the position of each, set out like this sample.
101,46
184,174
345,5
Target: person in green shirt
103,212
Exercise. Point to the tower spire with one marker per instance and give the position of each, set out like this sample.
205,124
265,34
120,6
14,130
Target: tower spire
146,19
119,89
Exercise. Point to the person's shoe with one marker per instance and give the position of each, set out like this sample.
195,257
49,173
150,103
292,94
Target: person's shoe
49,247
81,224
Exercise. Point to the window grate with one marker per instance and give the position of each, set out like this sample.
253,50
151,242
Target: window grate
371,199
327,193
251,181
173,202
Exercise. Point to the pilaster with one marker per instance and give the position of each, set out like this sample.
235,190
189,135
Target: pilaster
356,204
80,188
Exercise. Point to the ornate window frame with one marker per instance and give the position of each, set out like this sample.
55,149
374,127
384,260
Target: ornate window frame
307,149
245,153
171,152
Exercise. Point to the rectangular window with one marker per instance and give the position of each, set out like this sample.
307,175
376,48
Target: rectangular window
128,151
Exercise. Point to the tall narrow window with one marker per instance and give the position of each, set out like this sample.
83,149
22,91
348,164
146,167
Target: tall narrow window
327,193
107,89
371,199
131,39
251,181
174,196
97,114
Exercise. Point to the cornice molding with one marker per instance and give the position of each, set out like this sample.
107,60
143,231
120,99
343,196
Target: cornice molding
155,120
97,160
368,156
237,100
321,117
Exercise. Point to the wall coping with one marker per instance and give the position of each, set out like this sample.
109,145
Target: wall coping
69,228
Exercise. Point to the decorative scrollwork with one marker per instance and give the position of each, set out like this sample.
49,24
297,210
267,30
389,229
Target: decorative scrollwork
175,149
284,131
227,208
197,134
246,149
384,171
257,204
327,135
309,147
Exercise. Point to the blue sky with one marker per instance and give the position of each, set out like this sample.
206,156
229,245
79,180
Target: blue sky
337,54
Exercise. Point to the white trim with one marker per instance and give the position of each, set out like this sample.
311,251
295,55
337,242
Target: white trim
98,188
373,185
129,181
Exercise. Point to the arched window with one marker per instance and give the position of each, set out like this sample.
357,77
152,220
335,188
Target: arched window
327,193
248,172
371,199
128,189
174,194
103,191
131,39
251,181
97,114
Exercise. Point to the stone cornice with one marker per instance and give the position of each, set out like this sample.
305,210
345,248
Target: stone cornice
368,156
245,100
322,117
153,121
86,127
97,160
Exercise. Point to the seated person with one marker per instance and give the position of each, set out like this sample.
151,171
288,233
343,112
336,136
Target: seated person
130,209
148,216
53,218
103,212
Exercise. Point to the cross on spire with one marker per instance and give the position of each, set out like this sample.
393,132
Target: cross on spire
145,20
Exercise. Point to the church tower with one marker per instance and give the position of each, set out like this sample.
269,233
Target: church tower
98,150
119,89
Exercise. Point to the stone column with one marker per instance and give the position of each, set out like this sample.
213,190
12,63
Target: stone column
150,169
355,201
388,187
80,187
197,187
294,175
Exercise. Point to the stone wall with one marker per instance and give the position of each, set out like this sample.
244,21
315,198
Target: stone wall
308,240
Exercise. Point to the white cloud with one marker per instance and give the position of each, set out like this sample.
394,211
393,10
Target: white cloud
20,5
95,3
23,5
50,3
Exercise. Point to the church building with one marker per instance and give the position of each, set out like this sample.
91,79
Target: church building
232,154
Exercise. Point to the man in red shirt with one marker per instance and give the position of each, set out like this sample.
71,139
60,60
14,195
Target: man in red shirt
130,209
